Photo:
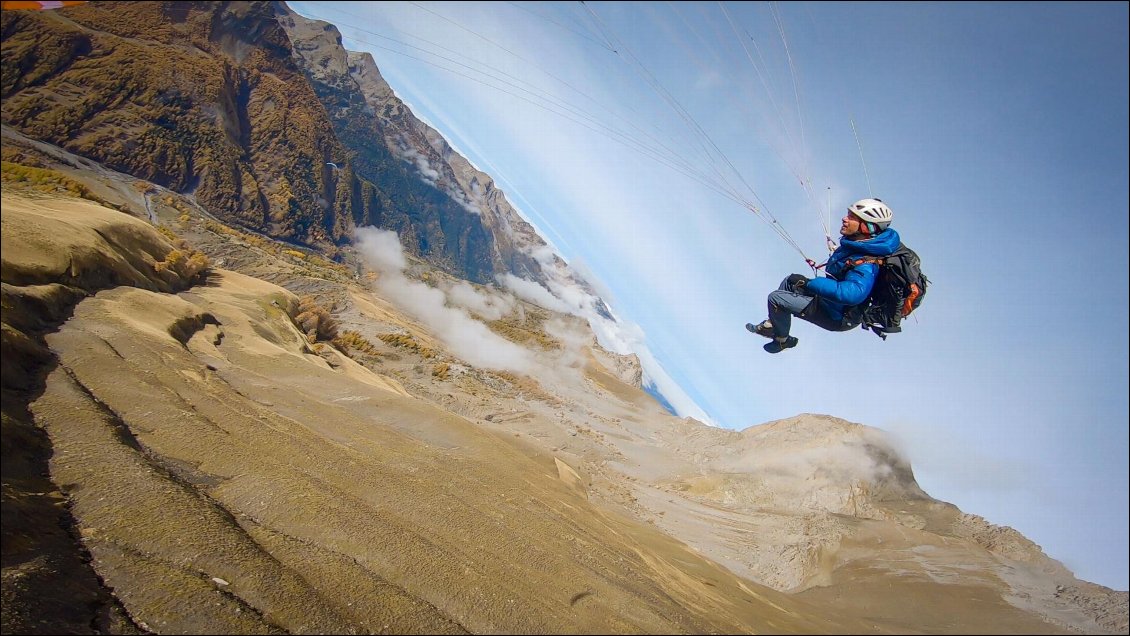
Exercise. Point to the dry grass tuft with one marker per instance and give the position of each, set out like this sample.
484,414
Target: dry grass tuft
353,341
406,341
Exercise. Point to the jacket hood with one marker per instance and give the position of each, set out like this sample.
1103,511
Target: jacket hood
882,244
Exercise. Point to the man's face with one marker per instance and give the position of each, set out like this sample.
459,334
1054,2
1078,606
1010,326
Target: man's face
850,225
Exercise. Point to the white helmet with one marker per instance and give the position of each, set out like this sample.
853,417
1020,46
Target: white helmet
872,211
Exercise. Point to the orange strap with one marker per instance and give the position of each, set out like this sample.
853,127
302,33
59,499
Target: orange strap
908,304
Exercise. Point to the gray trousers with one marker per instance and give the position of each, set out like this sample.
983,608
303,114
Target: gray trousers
786,303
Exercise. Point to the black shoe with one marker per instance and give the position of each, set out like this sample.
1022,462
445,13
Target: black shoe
777,345
763,329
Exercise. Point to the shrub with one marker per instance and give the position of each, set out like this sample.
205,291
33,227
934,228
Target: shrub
315,320
187,264
353,340
177,241
406,341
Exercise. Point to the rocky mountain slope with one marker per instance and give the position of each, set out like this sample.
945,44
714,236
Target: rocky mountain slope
266,441
375,125
210,99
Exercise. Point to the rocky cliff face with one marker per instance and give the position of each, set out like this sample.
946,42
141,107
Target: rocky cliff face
406,135
201,98
431,222
376,126
266,120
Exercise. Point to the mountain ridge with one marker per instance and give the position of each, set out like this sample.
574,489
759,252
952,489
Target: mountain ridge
516,249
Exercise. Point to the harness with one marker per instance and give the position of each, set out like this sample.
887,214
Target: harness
912,294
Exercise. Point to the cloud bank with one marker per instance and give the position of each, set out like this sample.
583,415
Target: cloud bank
465,336
451,311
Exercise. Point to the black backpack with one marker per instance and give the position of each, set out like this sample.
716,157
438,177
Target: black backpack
898,291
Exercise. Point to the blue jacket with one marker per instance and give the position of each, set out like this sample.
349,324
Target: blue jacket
848,285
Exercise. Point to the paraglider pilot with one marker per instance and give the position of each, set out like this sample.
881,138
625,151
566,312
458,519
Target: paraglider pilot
827,301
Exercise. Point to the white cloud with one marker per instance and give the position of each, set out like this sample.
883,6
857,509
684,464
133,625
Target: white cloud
427,173
464,336
381,249
582,270
472,341
574,339
489,306
534,293
615,335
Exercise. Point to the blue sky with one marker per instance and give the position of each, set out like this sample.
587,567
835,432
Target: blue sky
997,133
